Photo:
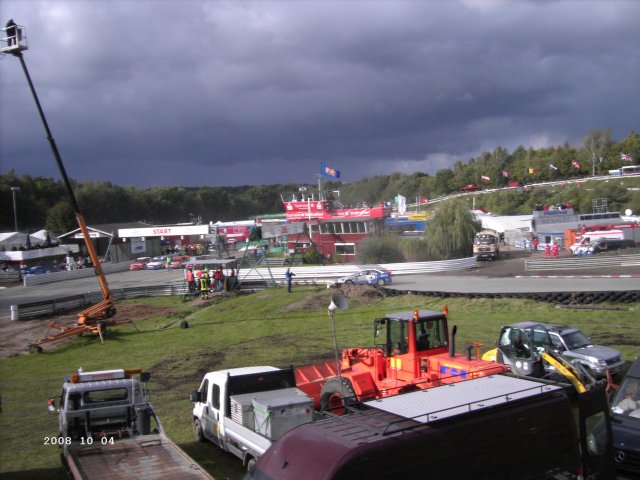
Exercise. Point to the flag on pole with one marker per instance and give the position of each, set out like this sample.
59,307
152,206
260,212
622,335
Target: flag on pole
402,204
625,157
552,166
485,178
505,174
327,171
575,163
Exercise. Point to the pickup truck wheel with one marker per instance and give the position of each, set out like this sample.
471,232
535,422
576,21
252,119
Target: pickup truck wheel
197,427
336,394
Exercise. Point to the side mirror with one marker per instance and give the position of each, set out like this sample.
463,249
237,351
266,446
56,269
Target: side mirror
195,397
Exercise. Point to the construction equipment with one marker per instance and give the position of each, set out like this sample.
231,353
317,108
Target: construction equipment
92,318
413,351
528,349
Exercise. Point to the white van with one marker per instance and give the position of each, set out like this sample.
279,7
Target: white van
589,237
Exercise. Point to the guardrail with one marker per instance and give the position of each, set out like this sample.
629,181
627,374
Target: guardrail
50,307
329,272
250,279
9,277
583,262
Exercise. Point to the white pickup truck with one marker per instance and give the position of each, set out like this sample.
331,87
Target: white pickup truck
243,410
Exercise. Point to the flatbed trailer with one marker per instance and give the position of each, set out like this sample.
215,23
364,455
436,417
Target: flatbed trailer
152,456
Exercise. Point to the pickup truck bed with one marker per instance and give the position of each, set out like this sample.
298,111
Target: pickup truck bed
151,456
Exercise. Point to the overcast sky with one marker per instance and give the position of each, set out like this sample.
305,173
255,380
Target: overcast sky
224,93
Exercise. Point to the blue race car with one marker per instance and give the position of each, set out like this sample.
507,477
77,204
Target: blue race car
371,276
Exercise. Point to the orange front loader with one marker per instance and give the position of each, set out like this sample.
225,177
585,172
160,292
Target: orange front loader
413,350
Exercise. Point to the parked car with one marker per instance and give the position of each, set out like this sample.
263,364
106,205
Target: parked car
625,423
368,277
156,263
604,245
39,270
139,263
578,348
179,261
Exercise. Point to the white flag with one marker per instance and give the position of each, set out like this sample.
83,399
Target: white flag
402,205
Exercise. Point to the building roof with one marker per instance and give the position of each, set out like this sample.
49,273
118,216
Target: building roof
108,229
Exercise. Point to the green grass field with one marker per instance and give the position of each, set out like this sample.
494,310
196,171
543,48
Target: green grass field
270,327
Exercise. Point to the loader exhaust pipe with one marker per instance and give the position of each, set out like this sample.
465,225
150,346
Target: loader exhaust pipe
452,343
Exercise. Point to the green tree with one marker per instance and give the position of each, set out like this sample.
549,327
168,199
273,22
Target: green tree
61,219
451,231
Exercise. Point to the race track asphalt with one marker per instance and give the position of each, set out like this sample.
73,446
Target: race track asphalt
501,277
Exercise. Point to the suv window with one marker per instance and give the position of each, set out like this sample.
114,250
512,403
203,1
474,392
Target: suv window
576,339
557,343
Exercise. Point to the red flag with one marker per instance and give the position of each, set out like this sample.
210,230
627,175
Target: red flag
575,164
485,178
505,174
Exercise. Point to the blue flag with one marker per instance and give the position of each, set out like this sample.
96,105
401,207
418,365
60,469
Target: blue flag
327,171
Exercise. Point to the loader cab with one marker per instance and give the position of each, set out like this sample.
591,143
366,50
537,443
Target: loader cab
420,332
520,346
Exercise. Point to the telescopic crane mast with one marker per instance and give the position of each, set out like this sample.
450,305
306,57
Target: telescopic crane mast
88,318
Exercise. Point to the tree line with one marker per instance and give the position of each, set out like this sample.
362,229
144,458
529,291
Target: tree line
43,202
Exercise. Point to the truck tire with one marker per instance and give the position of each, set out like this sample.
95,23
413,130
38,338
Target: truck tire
197,428
336,394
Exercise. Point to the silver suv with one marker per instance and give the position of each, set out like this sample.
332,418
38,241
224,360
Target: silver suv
577,347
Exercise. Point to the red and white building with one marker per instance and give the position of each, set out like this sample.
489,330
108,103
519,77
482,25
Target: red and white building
334,230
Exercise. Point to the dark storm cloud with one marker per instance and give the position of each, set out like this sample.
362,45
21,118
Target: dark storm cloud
226,93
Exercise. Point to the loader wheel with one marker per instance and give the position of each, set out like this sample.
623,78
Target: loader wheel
336,394
197,427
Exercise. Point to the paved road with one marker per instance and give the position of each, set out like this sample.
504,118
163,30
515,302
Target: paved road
469,282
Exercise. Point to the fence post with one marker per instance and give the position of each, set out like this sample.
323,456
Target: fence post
14,312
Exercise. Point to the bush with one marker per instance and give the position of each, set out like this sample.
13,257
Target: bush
415,250
313,256
380,249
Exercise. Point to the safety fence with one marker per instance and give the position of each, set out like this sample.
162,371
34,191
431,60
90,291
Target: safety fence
594,262
329,272
250,280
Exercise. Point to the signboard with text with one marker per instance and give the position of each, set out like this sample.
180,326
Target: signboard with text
272,231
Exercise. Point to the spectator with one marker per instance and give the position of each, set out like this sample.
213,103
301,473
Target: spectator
191,281
289,276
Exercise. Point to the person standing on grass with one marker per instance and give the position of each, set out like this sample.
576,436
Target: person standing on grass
204,285
191,281
289,276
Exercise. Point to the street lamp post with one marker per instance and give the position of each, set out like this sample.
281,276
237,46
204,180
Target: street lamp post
15,210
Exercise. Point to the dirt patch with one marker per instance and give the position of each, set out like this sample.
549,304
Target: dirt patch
16,336
355,294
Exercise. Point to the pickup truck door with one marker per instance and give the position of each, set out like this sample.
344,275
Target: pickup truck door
211,414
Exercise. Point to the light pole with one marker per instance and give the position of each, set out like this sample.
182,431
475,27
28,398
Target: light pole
15,211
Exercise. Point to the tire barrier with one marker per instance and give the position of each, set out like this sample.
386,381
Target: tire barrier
563,298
